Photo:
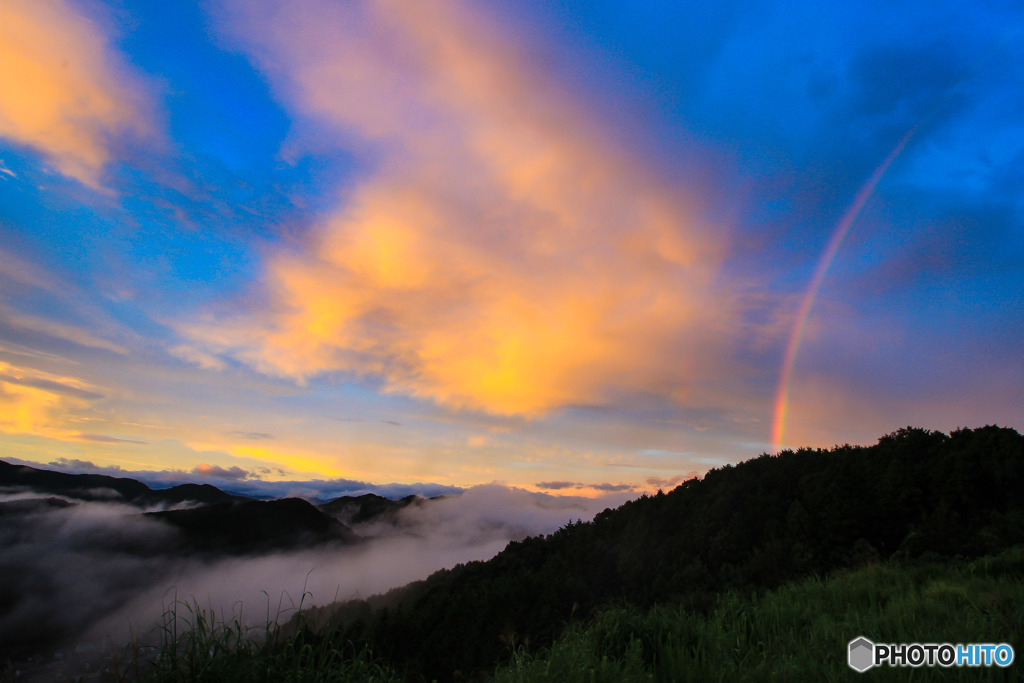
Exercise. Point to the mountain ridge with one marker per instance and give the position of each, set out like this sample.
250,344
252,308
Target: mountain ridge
97,487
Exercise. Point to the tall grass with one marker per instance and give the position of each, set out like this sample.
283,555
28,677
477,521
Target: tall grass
195,644
799,632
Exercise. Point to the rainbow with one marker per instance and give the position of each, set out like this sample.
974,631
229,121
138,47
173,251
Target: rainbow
847,221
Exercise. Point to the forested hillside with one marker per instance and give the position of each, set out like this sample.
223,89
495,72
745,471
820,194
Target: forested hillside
755,525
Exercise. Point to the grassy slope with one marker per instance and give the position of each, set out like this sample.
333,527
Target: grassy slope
797,632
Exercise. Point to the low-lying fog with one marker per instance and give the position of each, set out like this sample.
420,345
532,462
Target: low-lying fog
94,573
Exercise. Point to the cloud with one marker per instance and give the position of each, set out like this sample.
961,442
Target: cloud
27,289
96,573
487,512
670,482
37,402
104,438
393,423
557,485
75,466
502,255
57,330
63,90
64,565
20,272
197,357
607,488
252,436
612,488
233,473
50,385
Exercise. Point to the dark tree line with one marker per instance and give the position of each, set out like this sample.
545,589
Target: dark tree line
749,526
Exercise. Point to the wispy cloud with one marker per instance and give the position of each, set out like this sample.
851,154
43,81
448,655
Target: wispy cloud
105,438
612,488
63,90
603,487
503,256
35,301
58,330
557,485
252,436
37,402
197,357
233,473
669,482
51,385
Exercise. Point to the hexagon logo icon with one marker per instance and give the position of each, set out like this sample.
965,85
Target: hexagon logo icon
861,654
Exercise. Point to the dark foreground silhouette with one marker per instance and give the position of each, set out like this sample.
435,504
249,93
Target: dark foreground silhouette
916,494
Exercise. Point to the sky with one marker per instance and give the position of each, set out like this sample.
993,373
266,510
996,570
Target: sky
573,248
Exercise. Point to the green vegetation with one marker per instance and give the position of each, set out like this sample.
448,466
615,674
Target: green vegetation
794,633
797,632
195,645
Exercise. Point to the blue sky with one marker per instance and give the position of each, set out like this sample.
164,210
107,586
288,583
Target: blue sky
561,246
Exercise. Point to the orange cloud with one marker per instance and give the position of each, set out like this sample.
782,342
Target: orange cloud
504,256
62,89
40,403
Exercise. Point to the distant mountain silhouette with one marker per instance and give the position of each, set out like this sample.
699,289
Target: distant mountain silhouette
80,486
221,523
195,493
255,526
32,505
365,508
100,487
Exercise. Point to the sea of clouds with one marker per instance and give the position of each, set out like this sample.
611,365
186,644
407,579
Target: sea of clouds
95,575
